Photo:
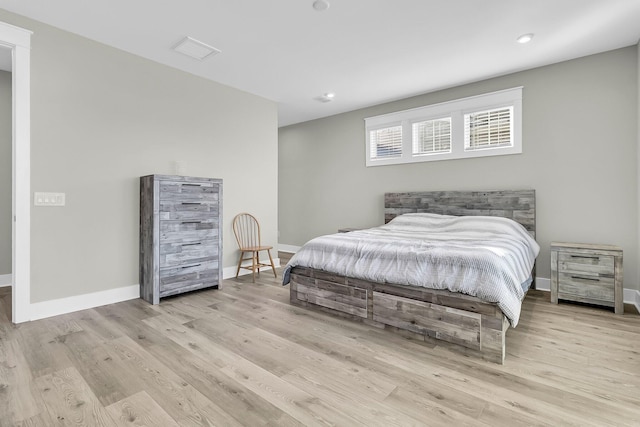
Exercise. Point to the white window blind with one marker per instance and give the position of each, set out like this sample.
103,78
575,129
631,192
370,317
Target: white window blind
488,129
386,143
432,136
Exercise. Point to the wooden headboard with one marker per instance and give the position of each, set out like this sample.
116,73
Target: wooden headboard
518,205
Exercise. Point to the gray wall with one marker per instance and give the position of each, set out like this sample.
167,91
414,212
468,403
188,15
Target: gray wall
5,172
579,154
100,118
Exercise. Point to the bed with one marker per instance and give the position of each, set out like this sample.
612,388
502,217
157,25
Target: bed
467,323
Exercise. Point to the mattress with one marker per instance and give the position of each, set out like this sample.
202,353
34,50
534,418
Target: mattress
490,258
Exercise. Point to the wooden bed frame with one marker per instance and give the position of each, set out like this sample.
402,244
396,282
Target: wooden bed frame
474,327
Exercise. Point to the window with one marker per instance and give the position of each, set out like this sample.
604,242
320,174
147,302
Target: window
432,136
386,143
488,129
483,125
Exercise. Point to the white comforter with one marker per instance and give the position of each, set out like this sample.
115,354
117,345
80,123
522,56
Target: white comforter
486,257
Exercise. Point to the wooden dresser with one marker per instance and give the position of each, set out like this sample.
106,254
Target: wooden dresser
587,273
180,235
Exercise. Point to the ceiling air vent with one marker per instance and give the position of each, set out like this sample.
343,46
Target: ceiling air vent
195,49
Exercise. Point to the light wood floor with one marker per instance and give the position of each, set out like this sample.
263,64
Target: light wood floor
242,355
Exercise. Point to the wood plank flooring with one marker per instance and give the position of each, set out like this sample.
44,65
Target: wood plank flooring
243,356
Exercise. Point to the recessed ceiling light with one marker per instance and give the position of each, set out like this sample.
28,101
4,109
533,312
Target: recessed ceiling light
327,97
321,5
525,38
195,48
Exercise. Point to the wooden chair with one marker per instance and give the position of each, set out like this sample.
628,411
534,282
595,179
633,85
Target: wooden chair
247,231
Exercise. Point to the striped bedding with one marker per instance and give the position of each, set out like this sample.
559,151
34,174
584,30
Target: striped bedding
490,258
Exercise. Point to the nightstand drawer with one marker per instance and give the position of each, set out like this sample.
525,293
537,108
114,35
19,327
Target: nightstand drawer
597,265
586,286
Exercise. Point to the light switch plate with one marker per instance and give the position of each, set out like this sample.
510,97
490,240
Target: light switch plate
49,199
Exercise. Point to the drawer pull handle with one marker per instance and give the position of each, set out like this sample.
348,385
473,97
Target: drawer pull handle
586,278
191,203
191,185
194,265
191,222
585,257
191,244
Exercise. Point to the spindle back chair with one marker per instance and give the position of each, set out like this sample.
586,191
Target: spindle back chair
247,231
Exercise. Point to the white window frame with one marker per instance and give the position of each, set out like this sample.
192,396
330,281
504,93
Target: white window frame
456,110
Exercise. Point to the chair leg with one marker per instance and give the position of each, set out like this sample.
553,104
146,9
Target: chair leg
258,262
239,263
253,265
273,267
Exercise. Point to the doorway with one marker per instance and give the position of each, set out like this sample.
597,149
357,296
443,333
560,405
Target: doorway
18,42
6,186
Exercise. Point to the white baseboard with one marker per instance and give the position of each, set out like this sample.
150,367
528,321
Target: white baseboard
632,296
543,284
288,248
6,280
41,310
230,272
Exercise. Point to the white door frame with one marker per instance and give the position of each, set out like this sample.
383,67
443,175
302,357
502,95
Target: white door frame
19,41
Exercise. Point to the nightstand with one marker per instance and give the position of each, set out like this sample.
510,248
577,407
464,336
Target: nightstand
587,273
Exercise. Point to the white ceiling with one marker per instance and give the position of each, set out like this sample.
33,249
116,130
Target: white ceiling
366,51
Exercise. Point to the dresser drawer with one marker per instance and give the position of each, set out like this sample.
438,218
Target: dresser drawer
186,231
183,253
187,210
188,225
577,286
171,274
192,276
188,282
170,190
596,265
